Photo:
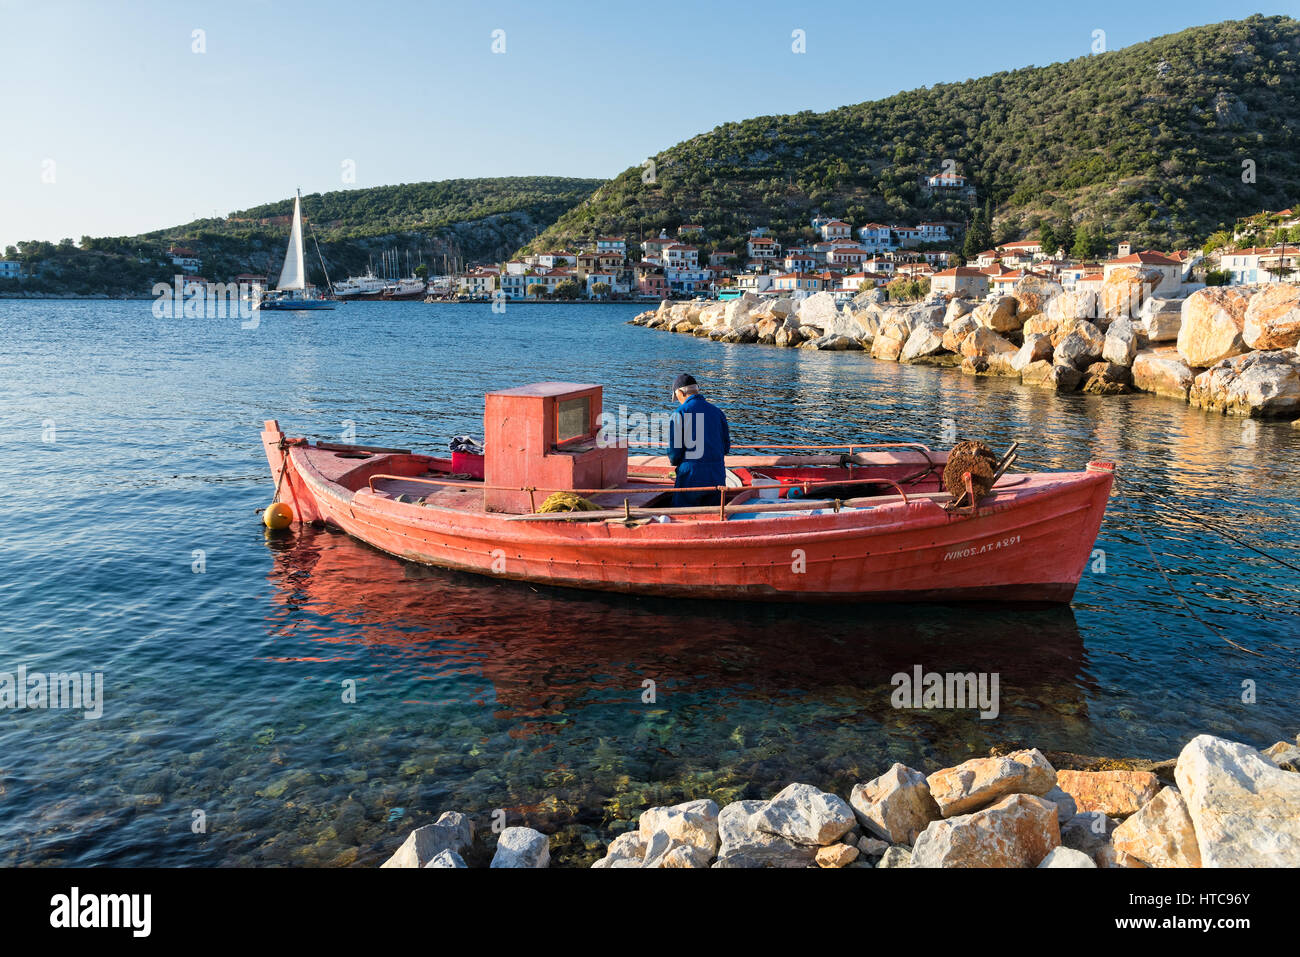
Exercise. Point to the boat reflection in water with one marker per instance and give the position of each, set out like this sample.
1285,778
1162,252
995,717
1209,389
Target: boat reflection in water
499,694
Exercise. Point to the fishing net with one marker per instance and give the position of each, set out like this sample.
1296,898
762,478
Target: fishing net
567,502
973,457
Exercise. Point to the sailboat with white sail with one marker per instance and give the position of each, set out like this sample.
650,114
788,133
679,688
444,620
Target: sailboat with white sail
293,292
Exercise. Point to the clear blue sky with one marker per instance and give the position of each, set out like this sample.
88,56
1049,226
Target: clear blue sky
145,133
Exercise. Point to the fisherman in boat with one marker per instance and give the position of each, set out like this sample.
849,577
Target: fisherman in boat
698,439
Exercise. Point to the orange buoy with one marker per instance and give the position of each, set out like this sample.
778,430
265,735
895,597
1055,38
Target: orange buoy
278,515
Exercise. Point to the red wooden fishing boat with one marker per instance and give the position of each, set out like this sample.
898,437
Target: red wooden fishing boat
831,523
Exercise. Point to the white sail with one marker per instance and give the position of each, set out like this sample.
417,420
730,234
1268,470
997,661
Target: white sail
293,275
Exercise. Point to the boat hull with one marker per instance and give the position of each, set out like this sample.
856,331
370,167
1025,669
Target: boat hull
1029,543
296,305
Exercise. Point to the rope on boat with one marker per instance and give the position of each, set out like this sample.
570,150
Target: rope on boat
567,502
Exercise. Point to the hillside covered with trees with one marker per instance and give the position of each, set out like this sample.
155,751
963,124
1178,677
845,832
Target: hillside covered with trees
436,223
1162,143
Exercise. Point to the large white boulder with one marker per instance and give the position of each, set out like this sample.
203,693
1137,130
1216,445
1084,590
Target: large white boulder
1160,833
807,815
452,831
1018,831
1273,317
896,806
1244,809
742,844
1212,324
1260,384
979,781
684,835
1163,372
522,847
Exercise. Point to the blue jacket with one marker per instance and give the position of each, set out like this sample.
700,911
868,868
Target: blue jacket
698,438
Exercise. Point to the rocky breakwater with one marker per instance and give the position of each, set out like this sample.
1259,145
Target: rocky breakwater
1219,804
1228,349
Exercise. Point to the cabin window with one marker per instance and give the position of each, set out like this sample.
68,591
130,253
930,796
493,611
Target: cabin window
574,418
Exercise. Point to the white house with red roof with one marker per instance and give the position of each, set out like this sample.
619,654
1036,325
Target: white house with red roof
763,247
1170,269
961,281
679,256
876,237
842,256
836,229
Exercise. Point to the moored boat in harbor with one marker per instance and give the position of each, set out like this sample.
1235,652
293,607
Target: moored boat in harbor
847,523
360,288
293,293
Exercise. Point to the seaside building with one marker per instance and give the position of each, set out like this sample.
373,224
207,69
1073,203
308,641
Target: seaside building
185,259
1171,270
876,237
796,281
967,281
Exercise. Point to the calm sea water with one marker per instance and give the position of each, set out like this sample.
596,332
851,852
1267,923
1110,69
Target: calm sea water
131,458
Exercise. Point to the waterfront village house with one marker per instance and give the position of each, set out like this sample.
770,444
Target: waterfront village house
1021,253
250,280
754,282
908,236
678,256
480,281
588,261
513,285
555,259
763,247
1171,270
1004,283
836,229
516,267
521,286
795,281
915,270
933,232
946,180
690,229
10,269
653,248
650,280
185,259
964,281
1262,264
879,266
612,244
950,182
1070,274
987,258
843,256
688,279
799,260
720,257
856,281
609,261
594,277
1090,283
876,237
